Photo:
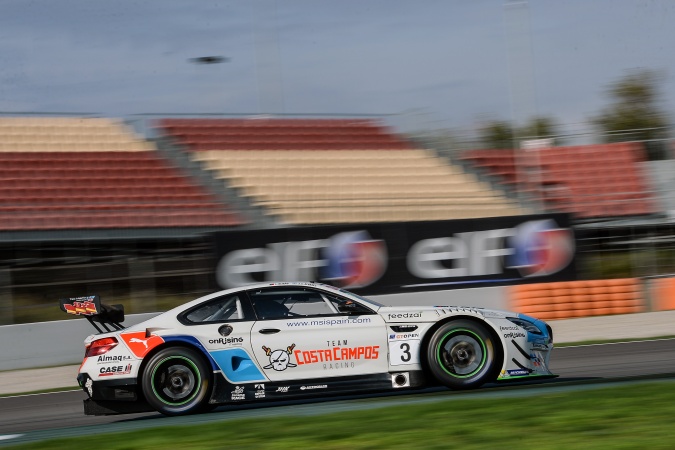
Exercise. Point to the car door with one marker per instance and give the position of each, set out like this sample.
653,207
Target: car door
301,334
223,326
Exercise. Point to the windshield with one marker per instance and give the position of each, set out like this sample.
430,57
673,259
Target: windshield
368,301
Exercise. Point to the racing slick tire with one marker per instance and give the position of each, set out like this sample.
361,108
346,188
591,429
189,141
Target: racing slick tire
462,354
177,381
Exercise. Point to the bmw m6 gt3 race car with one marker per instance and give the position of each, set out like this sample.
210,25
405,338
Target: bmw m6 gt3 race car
277,341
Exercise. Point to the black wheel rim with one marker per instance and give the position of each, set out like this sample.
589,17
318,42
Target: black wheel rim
461,353
176,380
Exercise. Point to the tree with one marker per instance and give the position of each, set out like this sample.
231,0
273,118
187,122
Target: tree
538,127
497,134
634,114
501,134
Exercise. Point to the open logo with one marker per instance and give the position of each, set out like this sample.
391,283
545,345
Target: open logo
541,247
354,259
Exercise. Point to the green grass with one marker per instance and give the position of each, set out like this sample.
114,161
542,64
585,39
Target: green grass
635,416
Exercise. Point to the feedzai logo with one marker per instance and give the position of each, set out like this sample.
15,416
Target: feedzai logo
415,315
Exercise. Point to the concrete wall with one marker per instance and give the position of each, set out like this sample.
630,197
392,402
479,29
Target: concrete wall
44,344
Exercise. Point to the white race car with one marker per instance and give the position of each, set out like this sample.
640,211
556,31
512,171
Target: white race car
277,341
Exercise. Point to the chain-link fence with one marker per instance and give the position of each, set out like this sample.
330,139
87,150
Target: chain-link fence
145,275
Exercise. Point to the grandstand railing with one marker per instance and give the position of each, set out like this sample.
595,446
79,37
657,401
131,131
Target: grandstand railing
146,123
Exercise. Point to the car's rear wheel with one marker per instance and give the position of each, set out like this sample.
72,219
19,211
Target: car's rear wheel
177,381
462,354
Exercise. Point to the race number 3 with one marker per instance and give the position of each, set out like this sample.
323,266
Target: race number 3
404,352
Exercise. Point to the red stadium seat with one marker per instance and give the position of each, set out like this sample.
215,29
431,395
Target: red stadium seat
101,189
592,192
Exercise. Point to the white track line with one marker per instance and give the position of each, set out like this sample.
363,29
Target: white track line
39,393
6,437
614,343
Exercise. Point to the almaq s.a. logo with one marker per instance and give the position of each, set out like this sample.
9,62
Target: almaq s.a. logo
354,259
541,248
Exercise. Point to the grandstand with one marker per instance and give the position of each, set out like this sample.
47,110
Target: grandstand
590,182
311,171
69,173
86,203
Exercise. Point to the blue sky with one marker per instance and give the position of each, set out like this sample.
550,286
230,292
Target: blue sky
451,60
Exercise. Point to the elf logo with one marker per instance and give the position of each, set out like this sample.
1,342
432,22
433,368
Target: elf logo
534,248
350,259
354,260
540,248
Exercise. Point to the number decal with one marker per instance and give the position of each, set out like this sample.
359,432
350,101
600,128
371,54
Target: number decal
406,352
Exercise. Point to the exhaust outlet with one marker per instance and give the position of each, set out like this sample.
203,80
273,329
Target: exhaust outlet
400,380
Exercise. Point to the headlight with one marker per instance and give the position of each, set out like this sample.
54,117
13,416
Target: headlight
528,326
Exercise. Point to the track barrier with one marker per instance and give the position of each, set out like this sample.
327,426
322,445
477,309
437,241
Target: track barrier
570,299
662,294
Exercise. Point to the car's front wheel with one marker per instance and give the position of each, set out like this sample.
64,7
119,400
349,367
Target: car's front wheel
462,354
177,381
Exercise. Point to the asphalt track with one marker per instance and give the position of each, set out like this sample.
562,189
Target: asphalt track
42,416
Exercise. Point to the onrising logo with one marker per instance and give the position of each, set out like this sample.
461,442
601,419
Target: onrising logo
227,340
354,259
540,248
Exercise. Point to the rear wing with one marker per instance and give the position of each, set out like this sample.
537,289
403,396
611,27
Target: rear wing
109,316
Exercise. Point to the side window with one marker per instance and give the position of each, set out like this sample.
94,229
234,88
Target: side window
291,302
228,308
346,305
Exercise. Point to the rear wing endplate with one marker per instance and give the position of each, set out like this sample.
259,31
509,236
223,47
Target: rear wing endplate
108,316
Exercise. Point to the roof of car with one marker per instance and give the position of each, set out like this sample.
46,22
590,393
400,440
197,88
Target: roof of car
289,283
256,286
